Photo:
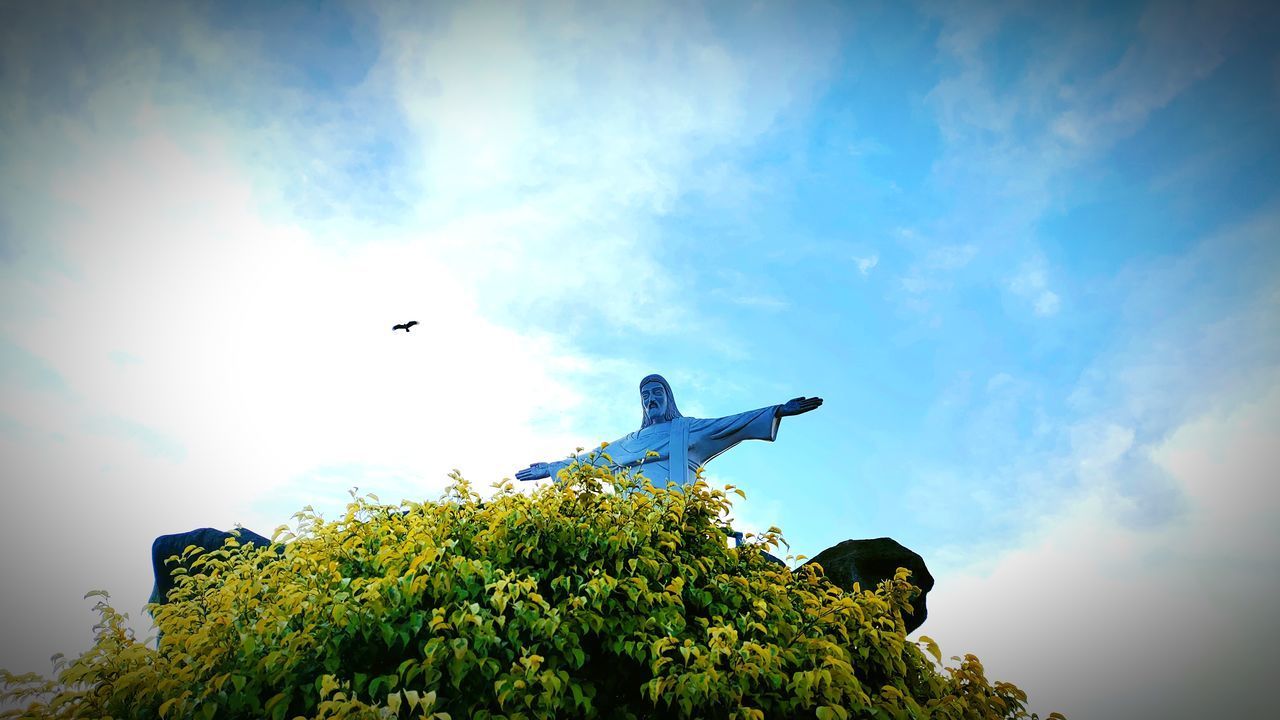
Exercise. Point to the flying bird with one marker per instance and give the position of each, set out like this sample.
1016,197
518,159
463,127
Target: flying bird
405,327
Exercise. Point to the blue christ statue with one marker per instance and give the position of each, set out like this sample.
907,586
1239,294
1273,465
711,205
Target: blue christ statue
682,444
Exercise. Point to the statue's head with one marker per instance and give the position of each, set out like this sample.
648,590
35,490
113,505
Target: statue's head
657,404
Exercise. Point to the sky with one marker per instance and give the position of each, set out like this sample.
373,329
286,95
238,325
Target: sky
1029,255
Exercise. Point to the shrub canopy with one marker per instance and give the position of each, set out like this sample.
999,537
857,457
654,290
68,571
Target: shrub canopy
597,597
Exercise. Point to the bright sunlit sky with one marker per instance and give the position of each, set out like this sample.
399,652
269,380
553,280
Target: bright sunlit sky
1027,253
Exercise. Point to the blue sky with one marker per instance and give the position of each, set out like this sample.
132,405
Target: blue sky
1028,256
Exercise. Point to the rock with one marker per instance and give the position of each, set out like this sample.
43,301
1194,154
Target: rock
867,562
166,546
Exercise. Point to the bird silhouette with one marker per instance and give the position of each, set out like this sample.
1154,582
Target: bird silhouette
405,326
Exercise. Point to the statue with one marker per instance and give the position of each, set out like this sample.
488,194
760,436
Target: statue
689,443
683,444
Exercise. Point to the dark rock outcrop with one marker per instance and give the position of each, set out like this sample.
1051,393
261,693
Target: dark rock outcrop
867,562
166,546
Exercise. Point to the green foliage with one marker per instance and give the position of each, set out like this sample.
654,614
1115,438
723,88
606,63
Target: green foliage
572,601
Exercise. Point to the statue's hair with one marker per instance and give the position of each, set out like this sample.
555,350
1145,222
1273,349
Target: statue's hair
672,412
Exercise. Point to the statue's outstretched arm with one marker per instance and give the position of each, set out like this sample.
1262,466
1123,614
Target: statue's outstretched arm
798,406
535,471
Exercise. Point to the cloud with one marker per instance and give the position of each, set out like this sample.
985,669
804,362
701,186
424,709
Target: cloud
949,257
1027,103
1138,575
208,251
19,367
935,270
763,302
866,264
1097,618
1046,303
1065,106
744,291
259,357
1020,127
578,128
1031,282
1176,45
1275,83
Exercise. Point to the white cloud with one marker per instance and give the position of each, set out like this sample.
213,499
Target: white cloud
1015,134
1031,282
1140,583
935,269
260,357
1176,45
866,264
1098,446
159,224
577,130
1046,303
916,284
1143,555
949,257
1275,83
933,274
736,287
760,301
1099,619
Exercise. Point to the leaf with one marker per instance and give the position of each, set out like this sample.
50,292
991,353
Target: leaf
277,706
932,647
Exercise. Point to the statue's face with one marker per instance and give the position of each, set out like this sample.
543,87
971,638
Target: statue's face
653,398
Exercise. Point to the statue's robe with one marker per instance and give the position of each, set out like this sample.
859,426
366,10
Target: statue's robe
684,442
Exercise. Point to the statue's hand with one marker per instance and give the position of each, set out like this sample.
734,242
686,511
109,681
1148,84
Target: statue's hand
798,406
536,471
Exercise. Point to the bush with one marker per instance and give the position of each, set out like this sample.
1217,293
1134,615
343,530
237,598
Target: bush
571,601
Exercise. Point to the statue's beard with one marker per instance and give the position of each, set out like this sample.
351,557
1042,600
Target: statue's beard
654,412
